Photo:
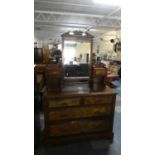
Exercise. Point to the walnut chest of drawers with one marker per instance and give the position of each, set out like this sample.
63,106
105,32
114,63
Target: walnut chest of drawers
77,113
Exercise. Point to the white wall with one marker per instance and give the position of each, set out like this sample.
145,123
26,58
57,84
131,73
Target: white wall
104,44
82,48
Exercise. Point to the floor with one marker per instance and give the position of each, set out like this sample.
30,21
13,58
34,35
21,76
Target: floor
92,147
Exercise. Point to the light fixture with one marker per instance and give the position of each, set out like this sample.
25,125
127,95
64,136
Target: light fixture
71,33
70,42
83,34
93,30
108,2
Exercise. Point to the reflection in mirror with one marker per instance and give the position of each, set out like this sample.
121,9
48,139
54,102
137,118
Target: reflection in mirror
76,52
76,58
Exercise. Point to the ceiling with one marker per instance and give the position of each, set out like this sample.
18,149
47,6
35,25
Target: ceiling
55,17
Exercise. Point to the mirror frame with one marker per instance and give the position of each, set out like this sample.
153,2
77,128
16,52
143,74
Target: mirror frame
77,36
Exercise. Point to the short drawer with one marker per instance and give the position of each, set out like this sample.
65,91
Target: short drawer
53,103
80,112
98,100
79,127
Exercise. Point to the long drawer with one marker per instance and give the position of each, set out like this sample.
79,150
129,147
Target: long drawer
98,100
63,102
79,127
80,112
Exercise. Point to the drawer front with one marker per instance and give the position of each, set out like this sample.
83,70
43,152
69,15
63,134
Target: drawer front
63,102
80,112
78,127
98,100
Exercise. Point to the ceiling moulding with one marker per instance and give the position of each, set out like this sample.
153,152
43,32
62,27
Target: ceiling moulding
76,14
65,25
86,26
85,23
90,5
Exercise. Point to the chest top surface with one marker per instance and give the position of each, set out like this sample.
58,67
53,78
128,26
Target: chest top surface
80,89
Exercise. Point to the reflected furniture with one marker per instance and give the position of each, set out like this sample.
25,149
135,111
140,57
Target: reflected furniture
81,70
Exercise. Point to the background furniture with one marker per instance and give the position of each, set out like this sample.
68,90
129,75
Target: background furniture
38,55
37,128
